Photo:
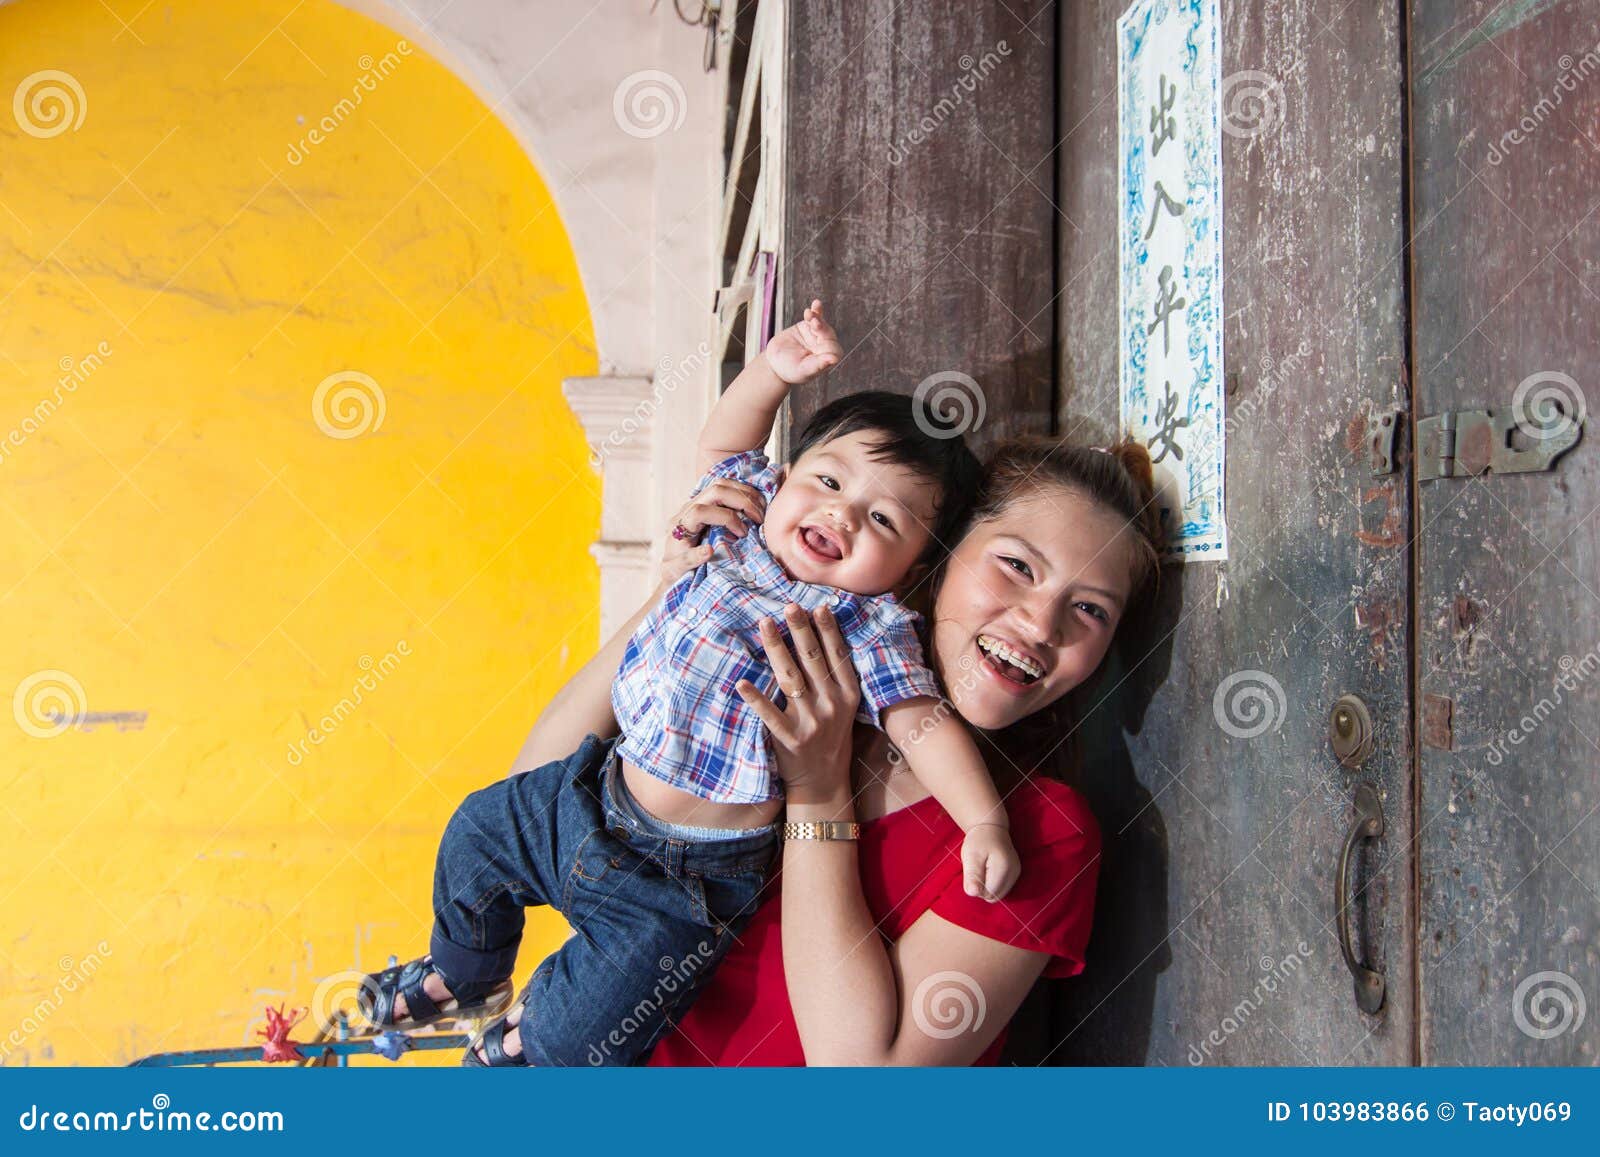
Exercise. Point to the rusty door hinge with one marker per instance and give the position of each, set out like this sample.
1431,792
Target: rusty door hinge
1463,443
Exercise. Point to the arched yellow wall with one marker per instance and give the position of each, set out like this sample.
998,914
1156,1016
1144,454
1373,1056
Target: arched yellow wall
280,430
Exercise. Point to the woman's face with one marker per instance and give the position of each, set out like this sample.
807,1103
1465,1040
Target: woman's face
1029,603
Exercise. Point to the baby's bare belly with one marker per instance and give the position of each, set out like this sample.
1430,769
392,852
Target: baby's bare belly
676,806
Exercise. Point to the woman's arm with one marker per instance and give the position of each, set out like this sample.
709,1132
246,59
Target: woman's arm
583,706
856,999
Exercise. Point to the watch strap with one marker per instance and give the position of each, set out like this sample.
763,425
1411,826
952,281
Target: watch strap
822,830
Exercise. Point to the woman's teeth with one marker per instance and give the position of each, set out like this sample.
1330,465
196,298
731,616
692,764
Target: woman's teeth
1026,670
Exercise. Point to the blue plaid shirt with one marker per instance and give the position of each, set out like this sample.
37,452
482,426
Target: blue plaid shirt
681,719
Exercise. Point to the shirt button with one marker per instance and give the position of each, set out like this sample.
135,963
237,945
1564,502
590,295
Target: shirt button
833,600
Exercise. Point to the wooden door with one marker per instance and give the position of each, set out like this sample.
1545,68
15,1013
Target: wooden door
919,202
1505,101
1208,761
1411,196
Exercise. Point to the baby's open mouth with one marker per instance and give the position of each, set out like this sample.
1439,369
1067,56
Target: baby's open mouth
1010,663
820,543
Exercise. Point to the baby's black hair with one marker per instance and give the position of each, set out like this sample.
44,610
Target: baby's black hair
908,433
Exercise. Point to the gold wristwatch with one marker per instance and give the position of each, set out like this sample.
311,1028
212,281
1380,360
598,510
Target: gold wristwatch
822,830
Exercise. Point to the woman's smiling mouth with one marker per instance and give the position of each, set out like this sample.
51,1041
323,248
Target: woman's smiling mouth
1008,662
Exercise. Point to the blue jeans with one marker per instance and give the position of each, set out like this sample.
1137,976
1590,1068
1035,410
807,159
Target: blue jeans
653,906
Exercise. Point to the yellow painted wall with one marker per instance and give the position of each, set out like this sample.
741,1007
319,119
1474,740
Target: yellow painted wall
188,529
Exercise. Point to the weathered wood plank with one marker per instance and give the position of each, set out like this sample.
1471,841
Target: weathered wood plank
1221,849
1507,162
919,197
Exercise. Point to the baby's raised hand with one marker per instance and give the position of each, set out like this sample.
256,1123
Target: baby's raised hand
805,349
989,863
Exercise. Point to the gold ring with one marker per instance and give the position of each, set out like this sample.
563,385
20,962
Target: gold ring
800,694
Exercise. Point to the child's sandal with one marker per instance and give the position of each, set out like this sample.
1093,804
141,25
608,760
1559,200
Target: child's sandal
379,991
493,1039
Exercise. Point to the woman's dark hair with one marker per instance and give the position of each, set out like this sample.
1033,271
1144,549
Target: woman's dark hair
1118,477
908,433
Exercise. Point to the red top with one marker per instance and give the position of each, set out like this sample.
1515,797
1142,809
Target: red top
910,864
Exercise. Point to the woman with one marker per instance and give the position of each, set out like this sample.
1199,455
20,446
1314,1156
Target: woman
871,953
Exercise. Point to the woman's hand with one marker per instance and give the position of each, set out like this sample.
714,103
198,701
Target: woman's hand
805,349
735,506
812,735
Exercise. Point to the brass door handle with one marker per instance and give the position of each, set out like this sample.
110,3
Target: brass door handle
1368,825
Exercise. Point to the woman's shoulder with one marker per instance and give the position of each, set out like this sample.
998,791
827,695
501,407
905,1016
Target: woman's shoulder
1045,811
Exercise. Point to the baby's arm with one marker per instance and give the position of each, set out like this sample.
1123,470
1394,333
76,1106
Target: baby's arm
742,418
948,763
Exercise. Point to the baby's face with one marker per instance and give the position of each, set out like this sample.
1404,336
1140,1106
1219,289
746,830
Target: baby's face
845,520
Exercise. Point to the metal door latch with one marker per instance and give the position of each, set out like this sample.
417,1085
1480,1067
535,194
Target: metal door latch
1381,442
1463,443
